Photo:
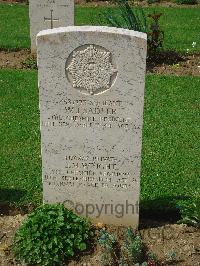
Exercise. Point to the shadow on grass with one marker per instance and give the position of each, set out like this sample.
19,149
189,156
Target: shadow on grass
164,57
160,211
153,213
11,195
9,199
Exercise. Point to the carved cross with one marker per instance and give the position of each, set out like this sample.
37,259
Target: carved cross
51,19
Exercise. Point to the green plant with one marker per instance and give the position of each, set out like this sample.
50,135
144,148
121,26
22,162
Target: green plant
152,259
30,63
190,211
153,1
155,34
109,244
186,2
132,251
135,19
129,18
171,256
49,235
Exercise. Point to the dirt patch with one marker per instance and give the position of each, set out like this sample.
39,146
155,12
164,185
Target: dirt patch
180,240
96,3
18,59
171,63
93,3
168,63
136,3
8,227
14,1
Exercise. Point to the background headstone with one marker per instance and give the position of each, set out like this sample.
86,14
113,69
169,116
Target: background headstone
91,82
48,14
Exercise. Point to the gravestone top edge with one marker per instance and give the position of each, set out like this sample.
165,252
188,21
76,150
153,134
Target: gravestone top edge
103,29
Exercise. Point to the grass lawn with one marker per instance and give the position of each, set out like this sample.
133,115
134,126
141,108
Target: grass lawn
14,26
170,139
181,25
20,177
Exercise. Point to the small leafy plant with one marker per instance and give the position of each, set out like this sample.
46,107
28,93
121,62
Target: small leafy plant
131,252
30,63
152,259
50,235
109,244
190,211
171,257
133,248
155,34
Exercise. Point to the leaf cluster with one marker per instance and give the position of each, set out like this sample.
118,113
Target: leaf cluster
131,252
128,18
132,249
109,243
51,234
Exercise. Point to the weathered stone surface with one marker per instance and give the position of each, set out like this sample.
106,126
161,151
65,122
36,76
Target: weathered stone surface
48,14
91,82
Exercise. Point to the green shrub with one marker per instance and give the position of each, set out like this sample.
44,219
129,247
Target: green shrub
186,2
49,235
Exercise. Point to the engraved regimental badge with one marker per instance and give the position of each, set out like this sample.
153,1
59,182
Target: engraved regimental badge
90,70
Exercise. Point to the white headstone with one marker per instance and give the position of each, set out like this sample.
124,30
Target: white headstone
91,83
49,14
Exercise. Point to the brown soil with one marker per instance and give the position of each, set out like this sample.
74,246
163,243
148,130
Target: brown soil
136,3
181,240
14,59
164,63
171,63
96,3
14,1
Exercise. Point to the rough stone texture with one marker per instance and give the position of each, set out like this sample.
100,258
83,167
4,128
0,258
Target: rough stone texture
40,12
91,82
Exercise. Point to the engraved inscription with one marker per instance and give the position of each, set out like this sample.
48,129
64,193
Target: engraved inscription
89,69
91,114
91,171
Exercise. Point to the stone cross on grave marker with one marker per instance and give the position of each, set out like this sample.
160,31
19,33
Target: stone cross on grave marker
46,14
51,19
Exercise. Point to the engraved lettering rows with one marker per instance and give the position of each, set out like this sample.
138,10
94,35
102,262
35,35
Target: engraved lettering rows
98,172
